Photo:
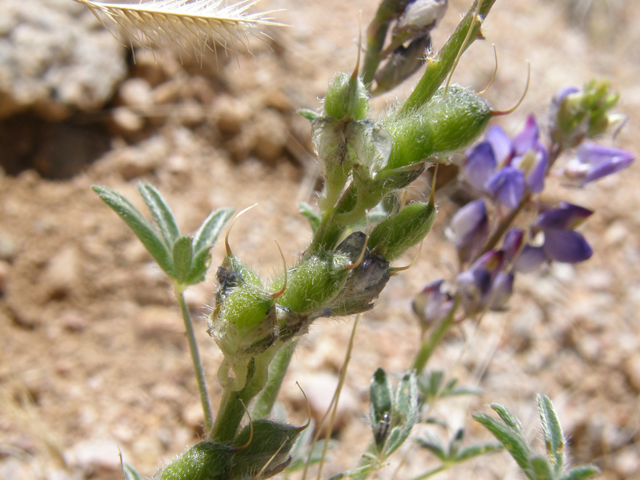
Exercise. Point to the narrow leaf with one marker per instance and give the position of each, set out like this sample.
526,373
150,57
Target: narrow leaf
381,406
581,472
143,229
510,438
161,213
434,445
405,412
553,435
210,229
182,258
314,218
507,417
477,450
130,473
456,443
310,115
541,468
355,472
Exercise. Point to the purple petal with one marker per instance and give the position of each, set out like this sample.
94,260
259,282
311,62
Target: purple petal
507,185
534,167
492,261
566,246
502,290
527,138
564,93
530,259
479,165
566,217
596,161
500,143
511,243
431,304
469,229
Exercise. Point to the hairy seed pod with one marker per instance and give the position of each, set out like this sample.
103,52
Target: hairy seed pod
204,461
270,446
445,124
397,233
346,97
314,283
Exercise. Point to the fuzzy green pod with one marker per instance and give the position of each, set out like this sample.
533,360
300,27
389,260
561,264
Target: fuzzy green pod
204,461
269,446
397,233
445,124
314,283
247,305
346,97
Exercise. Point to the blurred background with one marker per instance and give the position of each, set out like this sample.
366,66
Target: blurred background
92,352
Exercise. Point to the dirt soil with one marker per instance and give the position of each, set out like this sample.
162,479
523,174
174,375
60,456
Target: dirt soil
92,351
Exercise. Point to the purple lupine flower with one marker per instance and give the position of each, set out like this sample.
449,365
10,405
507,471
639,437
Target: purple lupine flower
521,164
479,165
469,229
512,243
502,290
593,162
507,185
432,304
478,281
561,242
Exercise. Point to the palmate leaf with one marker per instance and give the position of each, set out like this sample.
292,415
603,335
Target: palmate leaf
148,235
188,26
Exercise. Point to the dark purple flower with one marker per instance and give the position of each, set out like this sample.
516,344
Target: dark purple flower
432,304
469,229
478,281
507,185
533,164
566,217
502,290
593,162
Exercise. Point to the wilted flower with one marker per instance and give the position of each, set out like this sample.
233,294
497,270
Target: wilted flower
593,162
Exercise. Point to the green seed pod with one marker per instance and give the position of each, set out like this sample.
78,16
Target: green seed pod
346,96
269,446
397,233
204,461
445,124
314,283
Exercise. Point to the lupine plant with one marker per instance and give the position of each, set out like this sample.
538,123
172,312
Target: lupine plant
361,227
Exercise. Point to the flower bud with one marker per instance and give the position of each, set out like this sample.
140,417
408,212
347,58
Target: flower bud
431,304
469,229
270,446
579,114
204,461
397,233
314,283
346,97
445,124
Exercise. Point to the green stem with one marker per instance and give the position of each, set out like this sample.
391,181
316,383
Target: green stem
430,473
438,69
195,358
277,369
430,344
230,413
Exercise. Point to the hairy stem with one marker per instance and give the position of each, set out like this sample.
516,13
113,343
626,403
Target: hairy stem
195,358
277,369
438,68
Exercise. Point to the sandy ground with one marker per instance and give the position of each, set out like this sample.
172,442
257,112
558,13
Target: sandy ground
93,355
